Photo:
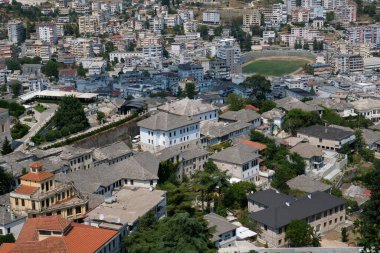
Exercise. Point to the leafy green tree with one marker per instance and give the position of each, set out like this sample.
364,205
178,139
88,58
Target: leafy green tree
218,30
180,233
369,222
12,64
100,116
16,88
9,238
259,85
7,147
6,182
236,195
70,114
167,172
235,102
81,71
19,130
203,31
15,109
344,234
51,68
299,233
190,90
330,16
297,118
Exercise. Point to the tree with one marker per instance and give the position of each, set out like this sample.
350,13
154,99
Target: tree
235,102
16,88
259,86
297,118
180,233
7,147
100,116
167,172
51,68
190,90
19,130
299,233
203,31
344,234
81,71
9,238
236,195
218,30
330,16
369,222
6,181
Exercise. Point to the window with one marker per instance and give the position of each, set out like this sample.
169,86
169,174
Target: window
341,218
78,209
131,182
324,224
151,182
245,167
330,222
16,201
22,202
279,242
69,211
336,220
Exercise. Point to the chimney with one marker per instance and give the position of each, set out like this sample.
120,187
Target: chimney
287,203
12,216
309,196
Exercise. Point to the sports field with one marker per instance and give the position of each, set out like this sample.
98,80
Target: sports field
273,67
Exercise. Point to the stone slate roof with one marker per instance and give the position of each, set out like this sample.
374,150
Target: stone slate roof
370,136
243,115
239,154
307,184
5,216
367,104
142,166
306,150
188,107
330,133
289,103
299,209
166,121
112,151
221,224
214,129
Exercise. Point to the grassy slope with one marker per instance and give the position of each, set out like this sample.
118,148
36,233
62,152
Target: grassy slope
273,67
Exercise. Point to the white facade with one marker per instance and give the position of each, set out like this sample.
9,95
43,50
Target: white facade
48,33
155,140
247,172
211,17
13,227
16,31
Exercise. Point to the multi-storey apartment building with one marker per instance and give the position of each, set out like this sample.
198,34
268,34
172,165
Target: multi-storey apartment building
252,18
211,17
88,24
349,63
39,194
273,211
16,31
47,32
365,34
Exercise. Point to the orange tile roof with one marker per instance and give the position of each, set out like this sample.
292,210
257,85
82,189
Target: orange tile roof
7,247
36,165
254,144
79,239
55,223
25,190
251,107
37,176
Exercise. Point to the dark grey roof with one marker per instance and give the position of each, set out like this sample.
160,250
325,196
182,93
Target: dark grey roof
243,115
111,151
370,136
270,198
330,133
280,216
194,153
166,121
221,224
239,154
289,103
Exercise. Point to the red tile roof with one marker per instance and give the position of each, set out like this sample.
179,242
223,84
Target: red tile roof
251,107
254,144
79,239
25,190
37,176
52,223
7,247
36,165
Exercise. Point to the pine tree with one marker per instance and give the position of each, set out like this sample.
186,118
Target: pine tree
7,148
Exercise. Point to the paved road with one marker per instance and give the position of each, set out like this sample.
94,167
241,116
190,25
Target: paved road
42,119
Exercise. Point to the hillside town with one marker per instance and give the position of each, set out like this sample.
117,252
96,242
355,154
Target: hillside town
210,126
